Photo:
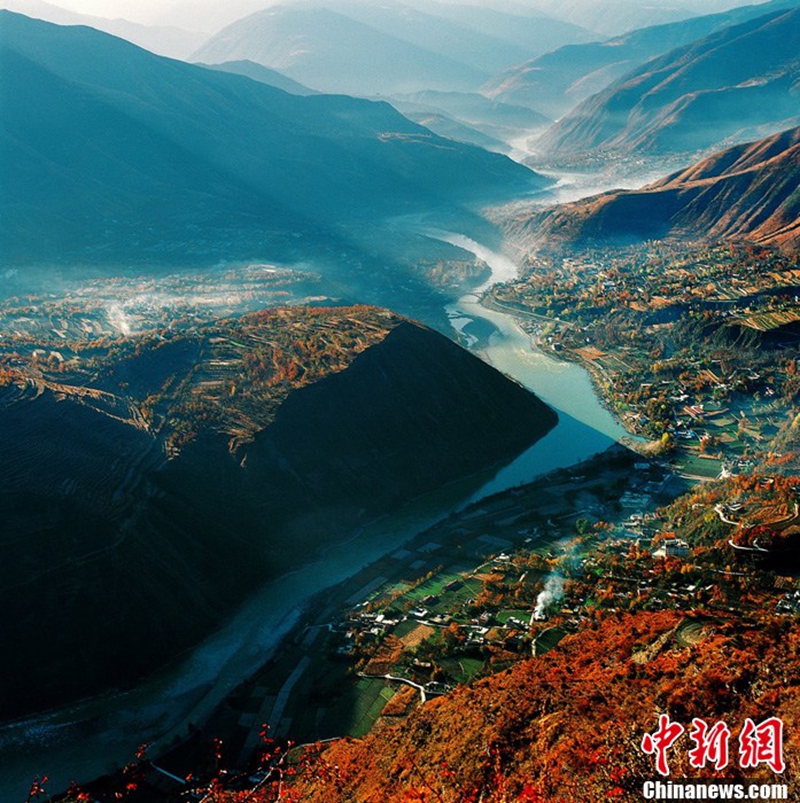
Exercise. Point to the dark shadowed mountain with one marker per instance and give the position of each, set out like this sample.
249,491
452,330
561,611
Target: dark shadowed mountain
737,82
162,39
107,150
557,81
749,192
264,75
150,486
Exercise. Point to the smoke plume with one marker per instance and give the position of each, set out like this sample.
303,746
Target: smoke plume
552,592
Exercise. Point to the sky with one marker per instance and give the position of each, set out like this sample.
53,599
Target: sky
162,11
183,11
204,18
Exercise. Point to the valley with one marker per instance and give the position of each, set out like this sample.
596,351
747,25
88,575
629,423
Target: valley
182,693
397,402
250,646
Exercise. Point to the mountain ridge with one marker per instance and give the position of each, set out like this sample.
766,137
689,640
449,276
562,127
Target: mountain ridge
335,53
560,79
367,49
697,97
178,471
750,191
236,166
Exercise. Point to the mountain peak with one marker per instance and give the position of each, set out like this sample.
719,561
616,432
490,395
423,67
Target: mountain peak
723,88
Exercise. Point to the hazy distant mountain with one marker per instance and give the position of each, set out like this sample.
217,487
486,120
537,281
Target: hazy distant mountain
739,80
558,80
335,53
613,17
475,108
480,37
367,48
493,118
264,75
286,429
748,192
164,40
106,149
446,126
434,34
532,31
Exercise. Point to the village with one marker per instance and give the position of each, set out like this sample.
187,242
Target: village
505,579
694,351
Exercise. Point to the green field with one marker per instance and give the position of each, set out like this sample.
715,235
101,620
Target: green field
700,466
462,669
357,710
446,600
504,616
549,640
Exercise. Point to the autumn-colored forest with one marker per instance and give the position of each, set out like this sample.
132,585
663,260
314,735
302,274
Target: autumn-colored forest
567,727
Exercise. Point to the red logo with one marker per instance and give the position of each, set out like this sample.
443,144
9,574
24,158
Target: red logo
758,744
762,744
661,741
710,745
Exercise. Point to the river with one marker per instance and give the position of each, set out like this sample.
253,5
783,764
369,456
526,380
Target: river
90,738
585,426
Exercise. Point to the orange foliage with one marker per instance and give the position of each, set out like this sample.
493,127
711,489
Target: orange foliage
567,726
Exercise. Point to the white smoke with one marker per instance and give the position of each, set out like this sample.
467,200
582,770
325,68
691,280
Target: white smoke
552,592
118,319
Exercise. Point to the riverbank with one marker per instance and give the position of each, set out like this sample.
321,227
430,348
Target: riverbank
309,689
684,458
688,369
601,380
84,742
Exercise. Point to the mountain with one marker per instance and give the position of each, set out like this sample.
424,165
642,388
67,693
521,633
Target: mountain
149,484
737,82
365,49
333,52
470,117
561,78
165,40
747,192
532,31
108,152
449,127
264,75
613,17
491,116
432,33
568,726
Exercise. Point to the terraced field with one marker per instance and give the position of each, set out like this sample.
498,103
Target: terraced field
152,480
